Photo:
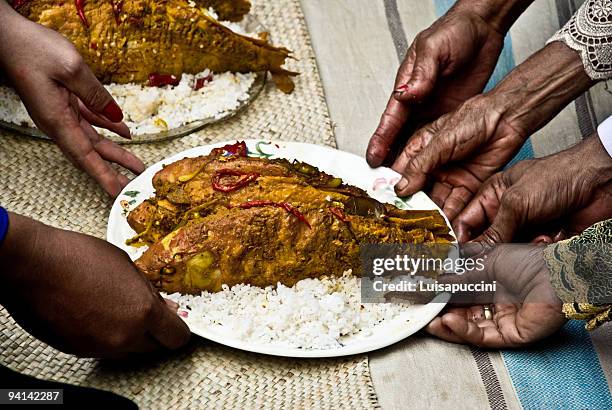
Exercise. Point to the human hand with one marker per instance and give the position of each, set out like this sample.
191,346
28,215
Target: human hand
561,194
455,154
445,65
83,295
525,307
64,98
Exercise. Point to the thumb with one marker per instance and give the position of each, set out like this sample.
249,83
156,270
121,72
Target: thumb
84,84
436,148
507,221
423,77
166,326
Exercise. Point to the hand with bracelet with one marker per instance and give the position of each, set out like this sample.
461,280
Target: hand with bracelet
446,64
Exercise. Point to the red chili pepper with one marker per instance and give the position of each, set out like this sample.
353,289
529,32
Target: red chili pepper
239,149
94,46
338,213
80,5
284,205
244,180
17,4
201,82
159,80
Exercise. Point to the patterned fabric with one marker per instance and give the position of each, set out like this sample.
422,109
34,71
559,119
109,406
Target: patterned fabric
581,274
589,32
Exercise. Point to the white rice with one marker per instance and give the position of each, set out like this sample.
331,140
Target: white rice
149,110
313,314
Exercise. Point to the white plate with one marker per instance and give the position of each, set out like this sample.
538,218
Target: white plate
353,170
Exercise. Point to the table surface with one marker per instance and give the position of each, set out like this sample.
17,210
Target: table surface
357,51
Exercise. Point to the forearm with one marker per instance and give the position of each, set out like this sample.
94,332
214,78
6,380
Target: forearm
7,12
501,14
8,18
538,89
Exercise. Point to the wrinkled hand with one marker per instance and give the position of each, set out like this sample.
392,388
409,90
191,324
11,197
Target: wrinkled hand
64,99
561,195
455,154
446,64
83,295
525,307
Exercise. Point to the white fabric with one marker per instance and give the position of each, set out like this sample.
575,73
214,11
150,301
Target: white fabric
589,32
605,134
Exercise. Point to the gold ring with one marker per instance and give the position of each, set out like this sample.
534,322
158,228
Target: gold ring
488,312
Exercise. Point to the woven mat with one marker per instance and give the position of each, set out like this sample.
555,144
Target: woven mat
37,181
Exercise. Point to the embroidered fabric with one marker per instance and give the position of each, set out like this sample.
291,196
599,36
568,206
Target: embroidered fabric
589,32
581,274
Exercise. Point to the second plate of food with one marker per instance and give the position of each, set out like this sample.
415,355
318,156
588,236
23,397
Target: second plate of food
320,317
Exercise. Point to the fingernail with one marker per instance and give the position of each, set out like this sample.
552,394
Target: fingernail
172,304
401,89
113,112
401,185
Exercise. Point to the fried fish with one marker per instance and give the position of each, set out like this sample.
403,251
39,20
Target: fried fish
227,218
130,41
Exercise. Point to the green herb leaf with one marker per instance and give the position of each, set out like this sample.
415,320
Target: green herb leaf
132,194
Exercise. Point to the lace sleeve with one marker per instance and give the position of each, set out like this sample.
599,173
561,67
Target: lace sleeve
581,274
589,32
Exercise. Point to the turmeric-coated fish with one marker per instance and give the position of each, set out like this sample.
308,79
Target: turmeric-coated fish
129,41
226,218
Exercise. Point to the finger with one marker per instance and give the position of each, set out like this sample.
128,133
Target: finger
414,145
167,328
440,192
452,190
74,142
507,222
438,148
470,332
438,329
480,211
171,304
113,152
456,202
119,128
82,82
393,118
424,73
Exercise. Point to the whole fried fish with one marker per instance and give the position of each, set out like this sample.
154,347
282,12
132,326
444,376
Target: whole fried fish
227,218
128,41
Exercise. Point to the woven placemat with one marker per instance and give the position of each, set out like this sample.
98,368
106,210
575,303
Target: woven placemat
37,181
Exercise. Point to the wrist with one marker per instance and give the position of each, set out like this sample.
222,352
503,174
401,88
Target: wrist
17,248
538,89
500,14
